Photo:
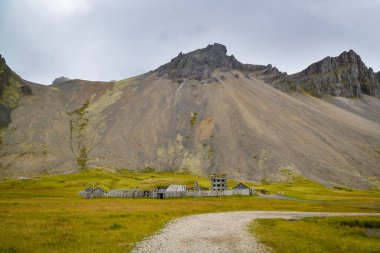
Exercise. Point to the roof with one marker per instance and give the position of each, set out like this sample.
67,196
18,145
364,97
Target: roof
214,176
176,188
102,187
241,186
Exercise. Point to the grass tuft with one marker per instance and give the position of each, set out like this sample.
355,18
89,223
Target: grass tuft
193,119
115,226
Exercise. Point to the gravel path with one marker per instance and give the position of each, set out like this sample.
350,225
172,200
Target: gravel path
217,232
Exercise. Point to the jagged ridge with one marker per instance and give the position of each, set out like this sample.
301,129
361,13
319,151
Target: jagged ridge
345,75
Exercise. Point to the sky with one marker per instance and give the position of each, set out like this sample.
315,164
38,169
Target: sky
115,39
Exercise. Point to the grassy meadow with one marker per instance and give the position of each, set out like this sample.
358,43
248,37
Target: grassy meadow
332,234
45,214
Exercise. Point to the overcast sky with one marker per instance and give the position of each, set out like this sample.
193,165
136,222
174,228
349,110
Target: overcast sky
115,39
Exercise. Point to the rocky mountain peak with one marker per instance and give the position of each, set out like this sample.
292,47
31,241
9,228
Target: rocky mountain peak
199,64
329,63
216,48
345,75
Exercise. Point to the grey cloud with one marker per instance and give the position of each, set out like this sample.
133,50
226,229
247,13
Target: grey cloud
114,39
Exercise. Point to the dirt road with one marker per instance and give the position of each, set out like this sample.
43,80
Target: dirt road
218,232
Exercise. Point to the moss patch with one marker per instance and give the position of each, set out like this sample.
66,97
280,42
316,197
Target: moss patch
82,159
193,118
81,110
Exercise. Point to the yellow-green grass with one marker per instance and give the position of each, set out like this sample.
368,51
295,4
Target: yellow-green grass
302,188
69,184
45,214
333,234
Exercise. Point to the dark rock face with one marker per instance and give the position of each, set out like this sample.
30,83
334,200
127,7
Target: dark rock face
12,87
5,111
26,90
268,74
199,64
5,74
5,115
345,75
2,60
60,80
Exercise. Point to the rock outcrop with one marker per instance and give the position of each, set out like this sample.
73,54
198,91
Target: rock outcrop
199,64
60,80
12,87
345,76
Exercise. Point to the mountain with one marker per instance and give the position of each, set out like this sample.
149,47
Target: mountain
205,112
12,88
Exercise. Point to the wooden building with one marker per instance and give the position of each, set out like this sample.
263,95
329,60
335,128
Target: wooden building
197,187
160,192
240,186
91,192
176,188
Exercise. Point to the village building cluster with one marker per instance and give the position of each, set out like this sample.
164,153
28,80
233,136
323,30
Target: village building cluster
218,187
